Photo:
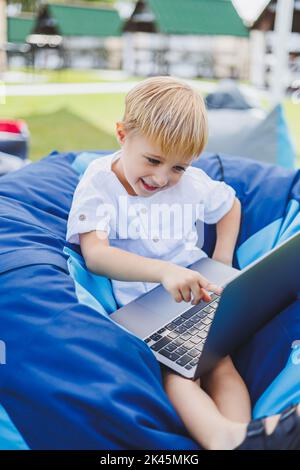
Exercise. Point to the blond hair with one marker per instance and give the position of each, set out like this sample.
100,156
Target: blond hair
170,113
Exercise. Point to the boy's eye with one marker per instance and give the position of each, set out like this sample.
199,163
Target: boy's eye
152,160
179,168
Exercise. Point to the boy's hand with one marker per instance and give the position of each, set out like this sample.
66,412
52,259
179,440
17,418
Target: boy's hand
186,284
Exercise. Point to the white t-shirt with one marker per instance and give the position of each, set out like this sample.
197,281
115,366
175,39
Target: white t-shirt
162,225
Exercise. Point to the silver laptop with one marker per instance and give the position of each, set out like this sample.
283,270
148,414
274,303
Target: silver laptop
191,339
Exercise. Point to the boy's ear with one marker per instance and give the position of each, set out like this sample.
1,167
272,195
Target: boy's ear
120,132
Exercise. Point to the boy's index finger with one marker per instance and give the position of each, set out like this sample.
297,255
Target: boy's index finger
206,295
213,288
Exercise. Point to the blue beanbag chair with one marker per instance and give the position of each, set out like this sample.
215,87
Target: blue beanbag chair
75,380
10,438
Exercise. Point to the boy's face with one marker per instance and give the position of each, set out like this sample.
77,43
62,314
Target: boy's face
143,169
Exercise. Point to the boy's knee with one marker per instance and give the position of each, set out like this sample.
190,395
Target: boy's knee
223,367
224,363
166,373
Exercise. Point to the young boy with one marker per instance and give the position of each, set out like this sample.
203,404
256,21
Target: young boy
114,219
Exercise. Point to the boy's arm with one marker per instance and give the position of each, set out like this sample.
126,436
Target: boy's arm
182,283
116,263
227,233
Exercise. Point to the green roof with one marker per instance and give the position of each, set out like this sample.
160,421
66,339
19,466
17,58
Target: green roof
205,17
19,28
85,21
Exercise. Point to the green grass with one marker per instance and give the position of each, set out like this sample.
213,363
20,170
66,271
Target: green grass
70,122
87,122
66,76
292,112
70,132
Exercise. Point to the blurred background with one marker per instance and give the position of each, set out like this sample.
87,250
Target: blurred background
65,68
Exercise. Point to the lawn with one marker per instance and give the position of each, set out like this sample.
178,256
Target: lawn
28,75
64,123
292,111
86,122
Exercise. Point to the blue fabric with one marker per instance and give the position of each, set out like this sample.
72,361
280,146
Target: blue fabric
75,380
86,282
83,159
10,438
264,191
16,146
270,236
284,390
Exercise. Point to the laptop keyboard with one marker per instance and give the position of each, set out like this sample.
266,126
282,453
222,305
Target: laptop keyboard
182,340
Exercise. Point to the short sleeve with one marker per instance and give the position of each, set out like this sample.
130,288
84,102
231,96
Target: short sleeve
88,206
217,196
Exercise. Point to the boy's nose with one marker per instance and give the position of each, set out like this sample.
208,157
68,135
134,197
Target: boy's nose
160,180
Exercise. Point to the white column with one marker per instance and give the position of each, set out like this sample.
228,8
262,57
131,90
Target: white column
3,35
257,60
128,53
283,27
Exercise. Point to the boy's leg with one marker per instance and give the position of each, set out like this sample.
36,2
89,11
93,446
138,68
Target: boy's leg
200,415
202,418
228,391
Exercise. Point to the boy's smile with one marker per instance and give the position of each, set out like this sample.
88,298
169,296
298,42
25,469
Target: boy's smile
149,187
141,168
